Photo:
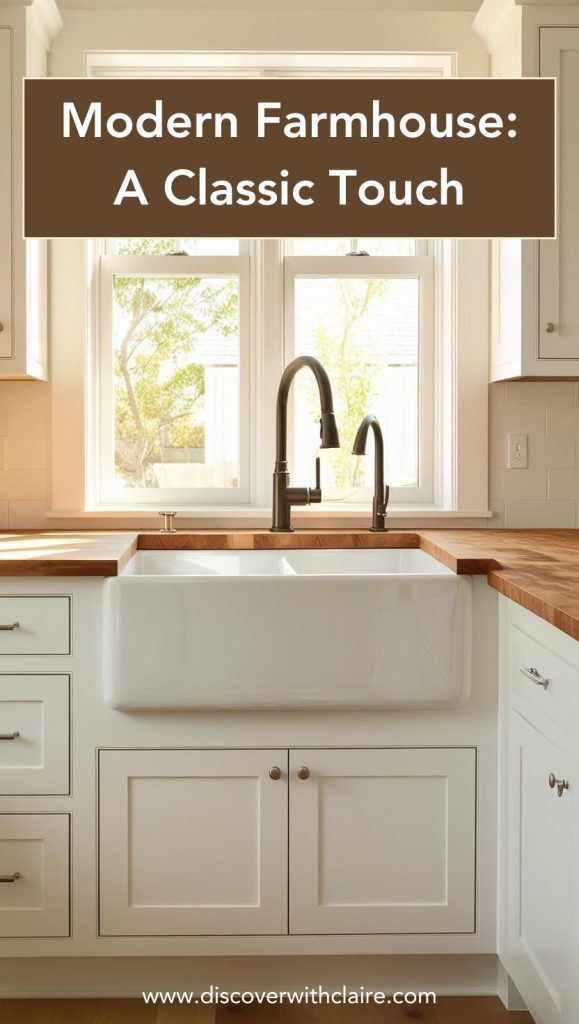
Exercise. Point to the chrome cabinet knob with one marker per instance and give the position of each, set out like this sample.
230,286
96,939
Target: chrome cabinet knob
303,773
550,327
275,773
561,784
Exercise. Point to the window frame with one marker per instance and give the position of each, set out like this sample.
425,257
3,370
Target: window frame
387,267
107,494
460,312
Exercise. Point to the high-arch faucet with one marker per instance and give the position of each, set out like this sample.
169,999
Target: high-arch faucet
285,496
381,492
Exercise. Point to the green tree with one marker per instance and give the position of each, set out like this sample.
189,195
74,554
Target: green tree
159,387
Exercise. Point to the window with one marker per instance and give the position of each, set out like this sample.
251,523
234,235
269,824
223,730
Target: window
414,317
177,366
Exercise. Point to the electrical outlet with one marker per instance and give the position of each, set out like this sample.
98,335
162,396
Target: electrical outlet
518,444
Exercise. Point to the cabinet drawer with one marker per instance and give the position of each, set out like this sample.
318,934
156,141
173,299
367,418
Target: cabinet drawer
34,625
34,875
34,734
545,680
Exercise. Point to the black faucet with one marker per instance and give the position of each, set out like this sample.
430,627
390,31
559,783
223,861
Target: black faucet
285,496
381,493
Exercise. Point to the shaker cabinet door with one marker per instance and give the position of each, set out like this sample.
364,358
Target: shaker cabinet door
382,841
193,842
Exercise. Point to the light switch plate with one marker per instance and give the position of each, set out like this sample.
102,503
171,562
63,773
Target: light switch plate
518,451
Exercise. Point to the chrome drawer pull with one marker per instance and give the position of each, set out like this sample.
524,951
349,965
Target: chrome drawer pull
11,878
561,784
8,629
9,735
535,677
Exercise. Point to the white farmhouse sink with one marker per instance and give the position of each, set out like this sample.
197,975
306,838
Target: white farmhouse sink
286,629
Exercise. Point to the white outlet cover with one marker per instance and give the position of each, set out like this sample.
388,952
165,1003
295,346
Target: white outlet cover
518,451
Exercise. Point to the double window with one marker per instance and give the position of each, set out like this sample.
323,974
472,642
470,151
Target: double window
191,338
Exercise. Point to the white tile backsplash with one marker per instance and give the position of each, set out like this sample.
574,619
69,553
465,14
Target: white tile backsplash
24,454
545,494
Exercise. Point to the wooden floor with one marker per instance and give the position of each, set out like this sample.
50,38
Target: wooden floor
485,1010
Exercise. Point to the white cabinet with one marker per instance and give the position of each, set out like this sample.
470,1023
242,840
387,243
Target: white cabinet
535,300
382,841
558,327
541,882
34,734
34,875
540,857
25,35
195,842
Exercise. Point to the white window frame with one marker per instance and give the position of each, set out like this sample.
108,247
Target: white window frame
102,456
460,325
387,267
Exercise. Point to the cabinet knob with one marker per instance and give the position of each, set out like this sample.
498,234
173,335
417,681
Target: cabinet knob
303,773
275,773
561,784
550,327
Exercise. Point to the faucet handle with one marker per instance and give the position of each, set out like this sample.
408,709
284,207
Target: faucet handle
316,492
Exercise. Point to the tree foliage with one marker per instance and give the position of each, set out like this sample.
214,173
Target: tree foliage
159,386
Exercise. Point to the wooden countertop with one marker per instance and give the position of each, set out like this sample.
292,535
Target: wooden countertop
538,569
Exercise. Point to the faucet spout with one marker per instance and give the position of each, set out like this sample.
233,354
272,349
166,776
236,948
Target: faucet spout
285,496
328,430
381,493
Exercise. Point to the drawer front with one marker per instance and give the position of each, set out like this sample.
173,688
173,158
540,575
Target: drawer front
34,875
545,680
34,625
34,734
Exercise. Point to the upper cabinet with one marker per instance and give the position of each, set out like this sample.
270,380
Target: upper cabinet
535,301
26,31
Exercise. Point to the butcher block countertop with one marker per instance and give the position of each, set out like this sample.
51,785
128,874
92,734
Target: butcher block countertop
538,569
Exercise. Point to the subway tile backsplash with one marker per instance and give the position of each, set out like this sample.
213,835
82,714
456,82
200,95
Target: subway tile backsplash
545,494
24,454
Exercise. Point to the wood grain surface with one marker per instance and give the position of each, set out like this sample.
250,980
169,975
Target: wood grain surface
450,1010
538,569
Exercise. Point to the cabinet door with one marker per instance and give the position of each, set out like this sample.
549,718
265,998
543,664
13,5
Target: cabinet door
382,841
192,842
34,875
559,259
540,873
5,192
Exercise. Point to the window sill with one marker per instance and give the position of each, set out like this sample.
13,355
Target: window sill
249,517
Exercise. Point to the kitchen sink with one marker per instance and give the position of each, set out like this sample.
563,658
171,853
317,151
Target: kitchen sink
286,629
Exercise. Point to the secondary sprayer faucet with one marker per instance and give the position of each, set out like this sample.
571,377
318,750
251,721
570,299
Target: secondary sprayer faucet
381,493
285,496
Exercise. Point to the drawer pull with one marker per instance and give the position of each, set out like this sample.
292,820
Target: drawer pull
11,878
9,735
561,784
535,677
10,628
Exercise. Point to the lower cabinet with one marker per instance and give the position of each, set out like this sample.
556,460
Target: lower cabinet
541,872
34,875
196,842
